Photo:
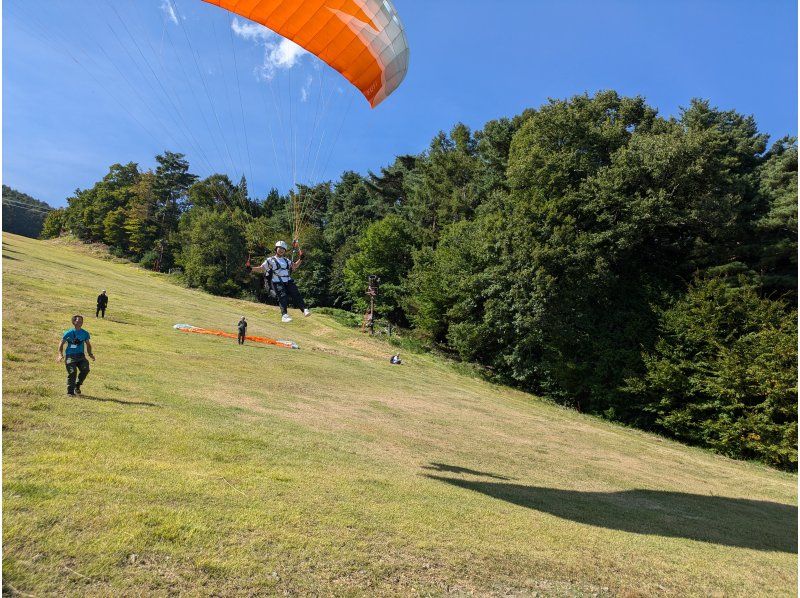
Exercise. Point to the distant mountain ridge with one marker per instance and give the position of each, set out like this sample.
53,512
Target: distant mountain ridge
23,214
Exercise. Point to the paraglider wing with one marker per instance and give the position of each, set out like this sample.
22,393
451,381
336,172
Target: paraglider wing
362,39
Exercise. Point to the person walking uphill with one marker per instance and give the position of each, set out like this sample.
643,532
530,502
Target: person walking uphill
242,330
102,303
278,270
77,365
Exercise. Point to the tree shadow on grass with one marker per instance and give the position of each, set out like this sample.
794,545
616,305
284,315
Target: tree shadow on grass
119,402
456,469
755,524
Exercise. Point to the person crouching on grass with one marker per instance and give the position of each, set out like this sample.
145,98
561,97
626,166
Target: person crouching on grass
77,365
278,271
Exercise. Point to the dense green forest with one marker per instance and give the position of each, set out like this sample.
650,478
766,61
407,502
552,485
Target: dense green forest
22,214
632,266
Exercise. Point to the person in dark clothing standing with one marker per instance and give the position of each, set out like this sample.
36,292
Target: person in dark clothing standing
102,303
242,330
278,269
77,365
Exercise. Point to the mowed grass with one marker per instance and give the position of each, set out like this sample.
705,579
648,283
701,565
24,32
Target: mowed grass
192,465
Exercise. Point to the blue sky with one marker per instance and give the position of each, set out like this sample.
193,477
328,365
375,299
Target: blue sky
87,84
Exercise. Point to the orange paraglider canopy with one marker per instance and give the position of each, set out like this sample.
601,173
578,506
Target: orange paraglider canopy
256,339
362,39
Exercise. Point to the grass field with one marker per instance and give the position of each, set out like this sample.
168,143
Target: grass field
193,465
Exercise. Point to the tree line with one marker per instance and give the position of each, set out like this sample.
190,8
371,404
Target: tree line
629,265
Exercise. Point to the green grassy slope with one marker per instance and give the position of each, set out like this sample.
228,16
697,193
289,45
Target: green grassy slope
194,465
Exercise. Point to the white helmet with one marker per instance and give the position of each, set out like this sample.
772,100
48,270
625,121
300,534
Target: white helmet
281,244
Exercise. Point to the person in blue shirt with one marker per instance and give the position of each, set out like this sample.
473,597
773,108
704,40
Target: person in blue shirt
74,340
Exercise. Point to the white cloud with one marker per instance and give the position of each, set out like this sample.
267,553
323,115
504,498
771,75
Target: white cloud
169,11
306,89
251,31
279,53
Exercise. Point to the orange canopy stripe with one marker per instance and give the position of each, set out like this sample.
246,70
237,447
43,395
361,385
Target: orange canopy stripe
362,39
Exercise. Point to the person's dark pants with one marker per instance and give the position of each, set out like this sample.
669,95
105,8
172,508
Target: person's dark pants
241,337
77,370
101,309
286,291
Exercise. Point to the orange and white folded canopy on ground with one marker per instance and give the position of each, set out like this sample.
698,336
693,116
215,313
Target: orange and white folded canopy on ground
362,39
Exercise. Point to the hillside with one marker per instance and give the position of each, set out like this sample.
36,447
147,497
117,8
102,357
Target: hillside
194,465
22,214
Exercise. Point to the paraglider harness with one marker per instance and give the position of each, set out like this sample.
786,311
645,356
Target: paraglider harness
269,284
